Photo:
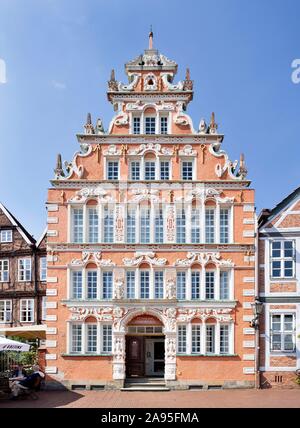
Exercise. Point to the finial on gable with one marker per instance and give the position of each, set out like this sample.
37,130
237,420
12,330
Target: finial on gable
58,171
242,169
151,38
89,129
213,125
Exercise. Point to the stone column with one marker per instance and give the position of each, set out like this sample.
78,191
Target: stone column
170,343
119,355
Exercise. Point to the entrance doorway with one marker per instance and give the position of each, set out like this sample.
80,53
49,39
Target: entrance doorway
145,356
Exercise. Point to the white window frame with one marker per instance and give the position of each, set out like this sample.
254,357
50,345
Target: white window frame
26,269
29,309
192,161
7,309
108,161
282,259
3,236
43,268
282,332
2,270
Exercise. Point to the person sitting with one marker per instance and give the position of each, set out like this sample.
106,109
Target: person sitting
30,382
19,372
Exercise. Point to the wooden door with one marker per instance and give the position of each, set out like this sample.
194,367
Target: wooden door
135,356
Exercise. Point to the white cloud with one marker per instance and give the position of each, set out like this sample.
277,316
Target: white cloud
58,85
2,71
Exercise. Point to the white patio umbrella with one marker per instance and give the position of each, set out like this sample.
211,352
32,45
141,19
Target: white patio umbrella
12,345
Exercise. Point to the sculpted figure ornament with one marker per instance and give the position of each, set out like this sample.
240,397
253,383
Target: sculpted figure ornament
171,289
202,127
119,289
99,127
170,349
170,316
119,352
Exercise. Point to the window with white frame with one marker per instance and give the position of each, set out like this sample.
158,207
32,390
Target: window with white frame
135,170
92,337
150,124
93,225
77,222
130,284
224,285
282,332
24,269
136,125
195,226
4,270
76,287
76,338
144,284
224,225
27,310
145,225
224,339
164,125
180,226
43,268
187,170
210,339
158,284
108,224
181,339
5,311
107,285
181,285
282,259
209,225
209,285
106,338
165,170
112,170
92,284
150,170
6,235
195,285
196,338
130,225
44,308
159,226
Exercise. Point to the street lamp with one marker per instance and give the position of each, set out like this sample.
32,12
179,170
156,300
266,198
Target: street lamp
257,308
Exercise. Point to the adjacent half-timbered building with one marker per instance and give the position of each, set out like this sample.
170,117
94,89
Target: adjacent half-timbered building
151,232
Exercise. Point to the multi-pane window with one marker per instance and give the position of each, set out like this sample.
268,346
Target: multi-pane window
196,339
224,225
180,226
181,339
78,225
107,285
210,339
165,170
6,235
196,285
108,225
76,284
145,284
4,270
209,285
5,311
44,308
150,125
106,338
282,259
112,170
76,338
92,284
27,310
187,170
145,226
159,227
163,125
181,285
130,284
158,284
130,226
135,170
43,268
195,226
209,225
93,219
92,335
224,339
224,285
136,125
150,170
24,269
282,332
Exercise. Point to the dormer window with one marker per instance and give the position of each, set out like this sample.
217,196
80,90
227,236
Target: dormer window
150,125
6,235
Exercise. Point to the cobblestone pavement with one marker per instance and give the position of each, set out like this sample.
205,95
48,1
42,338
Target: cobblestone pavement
169,399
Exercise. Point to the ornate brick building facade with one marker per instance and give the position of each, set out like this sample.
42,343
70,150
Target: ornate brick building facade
22,275
151,234
279,285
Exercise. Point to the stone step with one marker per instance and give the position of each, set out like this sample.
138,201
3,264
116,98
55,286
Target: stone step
145,388
145,380
145,385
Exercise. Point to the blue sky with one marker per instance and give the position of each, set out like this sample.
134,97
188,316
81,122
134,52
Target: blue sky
59,53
